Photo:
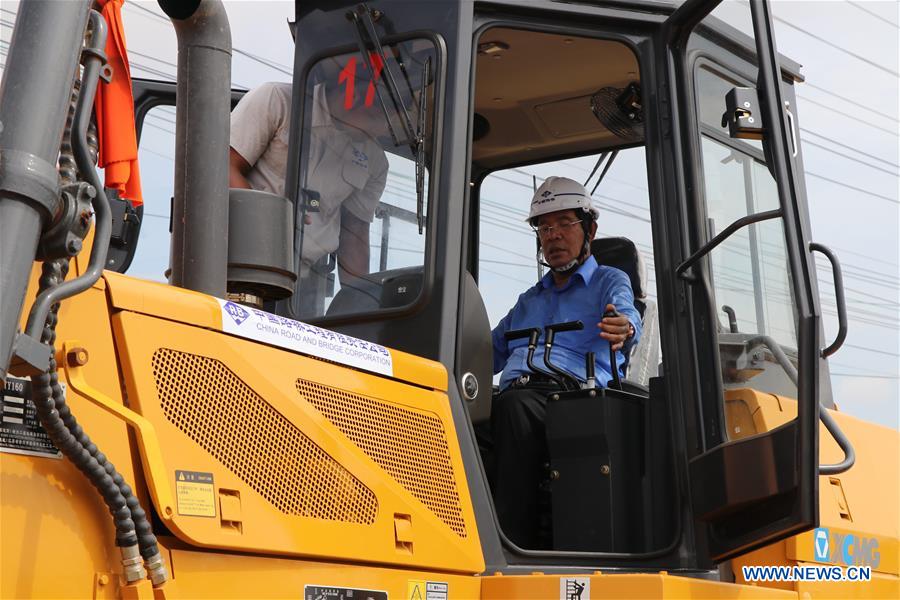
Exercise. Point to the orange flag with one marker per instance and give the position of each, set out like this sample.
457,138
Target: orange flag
114,108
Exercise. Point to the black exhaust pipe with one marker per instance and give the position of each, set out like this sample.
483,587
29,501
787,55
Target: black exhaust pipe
200,208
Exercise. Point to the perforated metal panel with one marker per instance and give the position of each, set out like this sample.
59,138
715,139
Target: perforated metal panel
410,445
221,413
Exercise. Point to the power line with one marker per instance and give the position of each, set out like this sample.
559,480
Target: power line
853,187
844,114
856,313
848,268
833,45
848,157
842,145
887,262
145,10
872,350
876,15
159,154
864,376
856,103
264,61
153,71
159,60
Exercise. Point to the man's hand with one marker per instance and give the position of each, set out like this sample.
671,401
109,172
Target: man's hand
615,329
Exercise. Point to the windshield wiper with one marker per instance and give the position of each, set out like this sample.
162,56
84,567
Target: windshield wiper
415,138
420,147
365,33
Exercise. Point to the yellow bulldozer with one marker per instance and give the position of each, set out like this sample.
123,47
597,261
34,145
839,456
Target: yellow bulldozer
262,423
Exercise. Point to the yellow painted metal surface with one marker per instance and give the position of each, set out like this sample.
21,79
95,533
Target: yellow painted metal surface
55,531
160,365
306,457
212,575
57,536
859,508
200,310
537,586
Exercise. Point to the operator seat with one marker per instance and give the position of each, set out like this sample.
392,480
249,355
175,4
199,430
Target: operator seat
621,253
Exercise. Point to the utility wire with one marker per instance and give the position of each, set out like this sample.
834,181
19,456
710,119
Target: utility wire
256,58
159,60
143,9
833,45
855,313
854,188
264,61
864,376
874,14
887,262
872,350
856,103
844,114
842,145
848,157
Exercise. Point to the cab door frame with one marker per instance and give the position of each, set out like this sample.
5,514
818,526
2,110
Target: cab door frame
776,495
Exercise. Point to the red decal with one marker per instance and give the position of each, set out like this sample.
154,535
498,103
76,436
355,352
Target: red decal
348,75
378,64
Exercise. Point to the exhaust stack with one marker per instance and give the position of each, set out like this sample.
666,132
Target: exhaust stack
200,208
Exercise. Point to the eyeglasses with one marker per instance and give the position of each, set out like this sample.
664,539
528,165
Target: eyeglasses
564,227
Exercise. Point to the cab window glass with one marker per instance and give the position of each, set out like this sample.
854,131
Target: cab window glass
156,154
360,238
507,254
750,269
579,116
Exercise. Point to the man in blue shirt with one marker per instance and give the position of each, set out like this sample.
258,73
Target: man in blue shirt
575,289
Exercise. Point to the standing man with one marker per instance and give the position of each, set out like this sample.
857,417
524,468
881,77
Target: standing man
576,288
346,167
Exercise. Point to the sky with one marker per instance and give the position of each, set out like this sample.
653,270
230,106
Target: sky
848,122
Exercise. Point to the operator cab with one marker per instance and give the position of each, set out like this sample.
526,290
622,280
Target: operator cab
577,114
457,114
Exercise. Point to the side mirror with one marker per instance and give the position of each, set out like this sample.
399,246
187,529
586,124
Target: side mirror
742,114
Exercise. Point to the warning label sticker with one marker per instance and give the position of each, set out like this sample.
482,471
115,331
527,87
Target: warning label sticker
419,589
575,588
20,429
195,494
329,592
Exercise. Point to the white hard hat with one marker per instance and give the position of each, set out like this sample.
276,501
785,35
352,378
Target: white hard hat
560,193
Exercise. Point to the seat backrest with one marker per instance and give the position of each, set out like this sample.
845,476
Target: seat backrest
621,253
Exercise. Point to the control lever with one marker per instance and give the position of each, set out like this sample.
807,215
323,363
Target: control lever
549,333
590,378
532,334
613,366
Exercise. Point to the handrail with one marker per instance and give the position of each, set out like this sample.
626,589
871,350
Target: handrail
726,233
830,424
838,298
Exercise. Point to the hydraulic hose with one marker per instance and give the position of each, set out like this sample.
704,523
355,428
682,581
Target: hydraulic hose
54,414
134,533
